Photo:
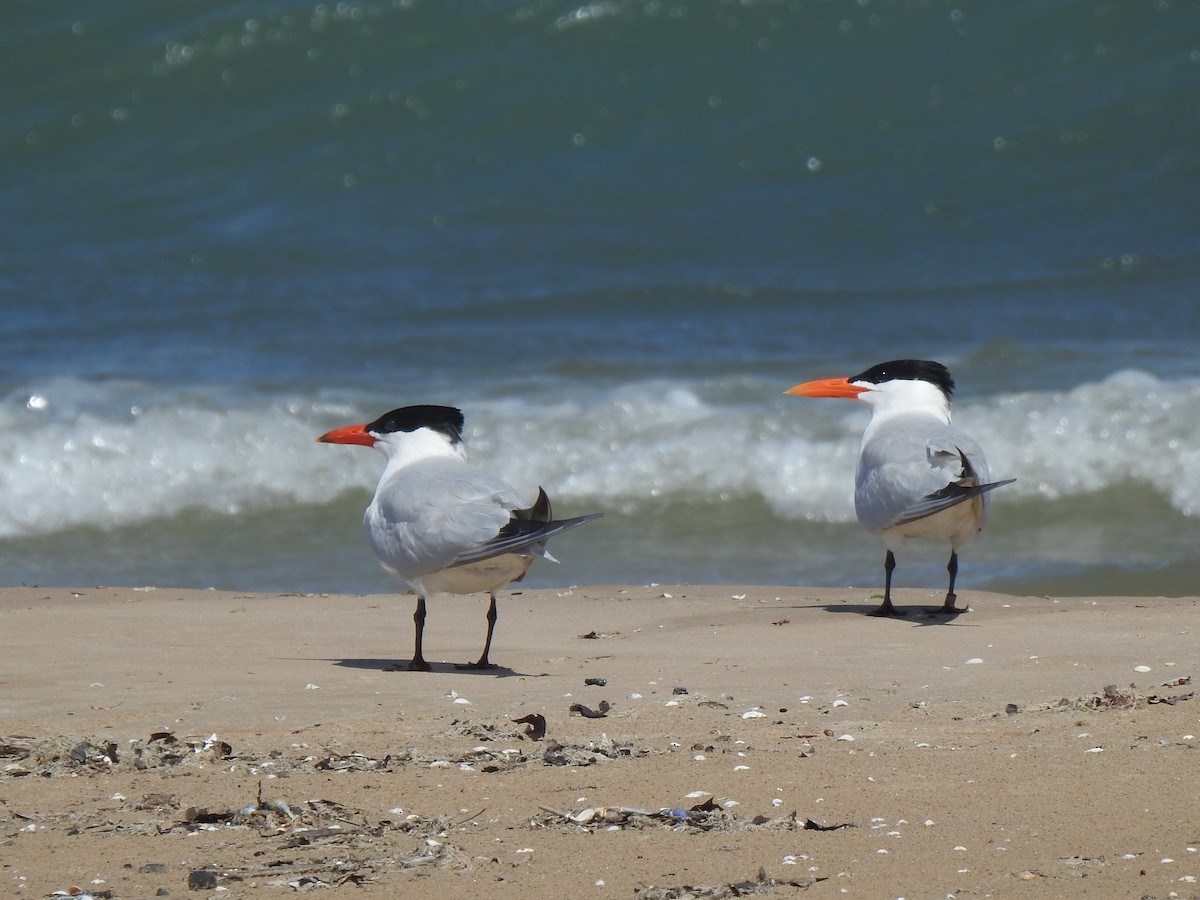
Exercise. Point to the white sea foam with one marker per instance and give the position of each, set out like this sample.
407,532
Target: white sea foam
105,454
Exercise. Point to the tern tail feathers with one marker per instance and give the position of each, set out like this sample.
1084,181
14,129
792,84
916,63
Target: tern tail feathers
529,529
950,495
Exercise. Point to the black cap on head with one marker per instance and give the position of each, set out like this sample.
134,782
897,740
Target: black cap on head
444,419
910,370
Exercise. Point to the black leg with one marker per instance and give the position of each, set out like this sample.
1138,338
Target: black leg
418,663
886,608
952,568
487,644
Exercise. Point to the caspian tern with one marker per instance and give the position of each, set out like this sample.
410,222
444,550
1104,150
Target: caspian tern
917,475
439,524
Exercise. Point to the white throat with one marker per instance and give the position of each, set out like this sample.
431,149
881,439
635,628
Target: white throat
403,448
904,398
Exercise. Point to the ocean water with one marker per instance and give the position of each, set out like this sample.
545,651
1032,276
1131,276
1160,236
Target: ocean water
614,234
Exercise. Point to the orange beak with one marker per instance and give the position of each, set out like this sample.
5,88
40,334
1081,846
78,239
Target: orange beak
351,434
827,387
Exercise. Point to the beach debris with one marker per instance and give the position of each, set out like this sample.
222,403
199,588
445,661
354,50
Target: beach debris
202,880
710,815
761,885
603,748
1113,697
535,726
588,713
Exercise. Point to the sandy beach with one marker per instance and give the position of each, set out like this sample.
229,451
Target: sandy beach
699,741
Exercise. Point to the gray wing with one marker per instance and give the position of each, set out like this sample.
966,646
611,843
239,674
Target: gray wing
428,515
441,513
912,469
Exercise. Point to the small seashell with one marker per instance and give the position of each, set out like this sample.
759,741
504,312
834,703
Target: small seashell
840,703
728,804
280,806
1141,668
741,768
583,816
846,737
974,661
694,794
462,701
755,713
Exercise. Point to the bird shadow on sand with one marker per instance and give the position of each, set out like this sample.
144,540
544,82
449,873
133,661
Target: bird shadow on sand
400,667
923,616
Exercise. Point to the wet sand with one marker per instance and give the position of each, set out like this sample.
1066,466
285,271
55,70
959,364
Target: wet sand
256,744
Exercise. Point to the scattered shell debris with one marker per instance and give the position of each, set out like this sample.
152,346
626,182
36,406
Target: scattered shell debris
1112,696
762,884
711,815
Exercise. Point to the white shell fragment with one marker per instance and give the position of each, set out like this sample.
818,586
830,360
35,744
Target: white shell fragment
1141,668
755,713
974,661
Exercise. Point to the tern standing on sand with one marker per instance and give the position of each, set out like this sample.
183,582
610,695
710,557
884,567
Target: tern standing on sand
917,476
439,524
